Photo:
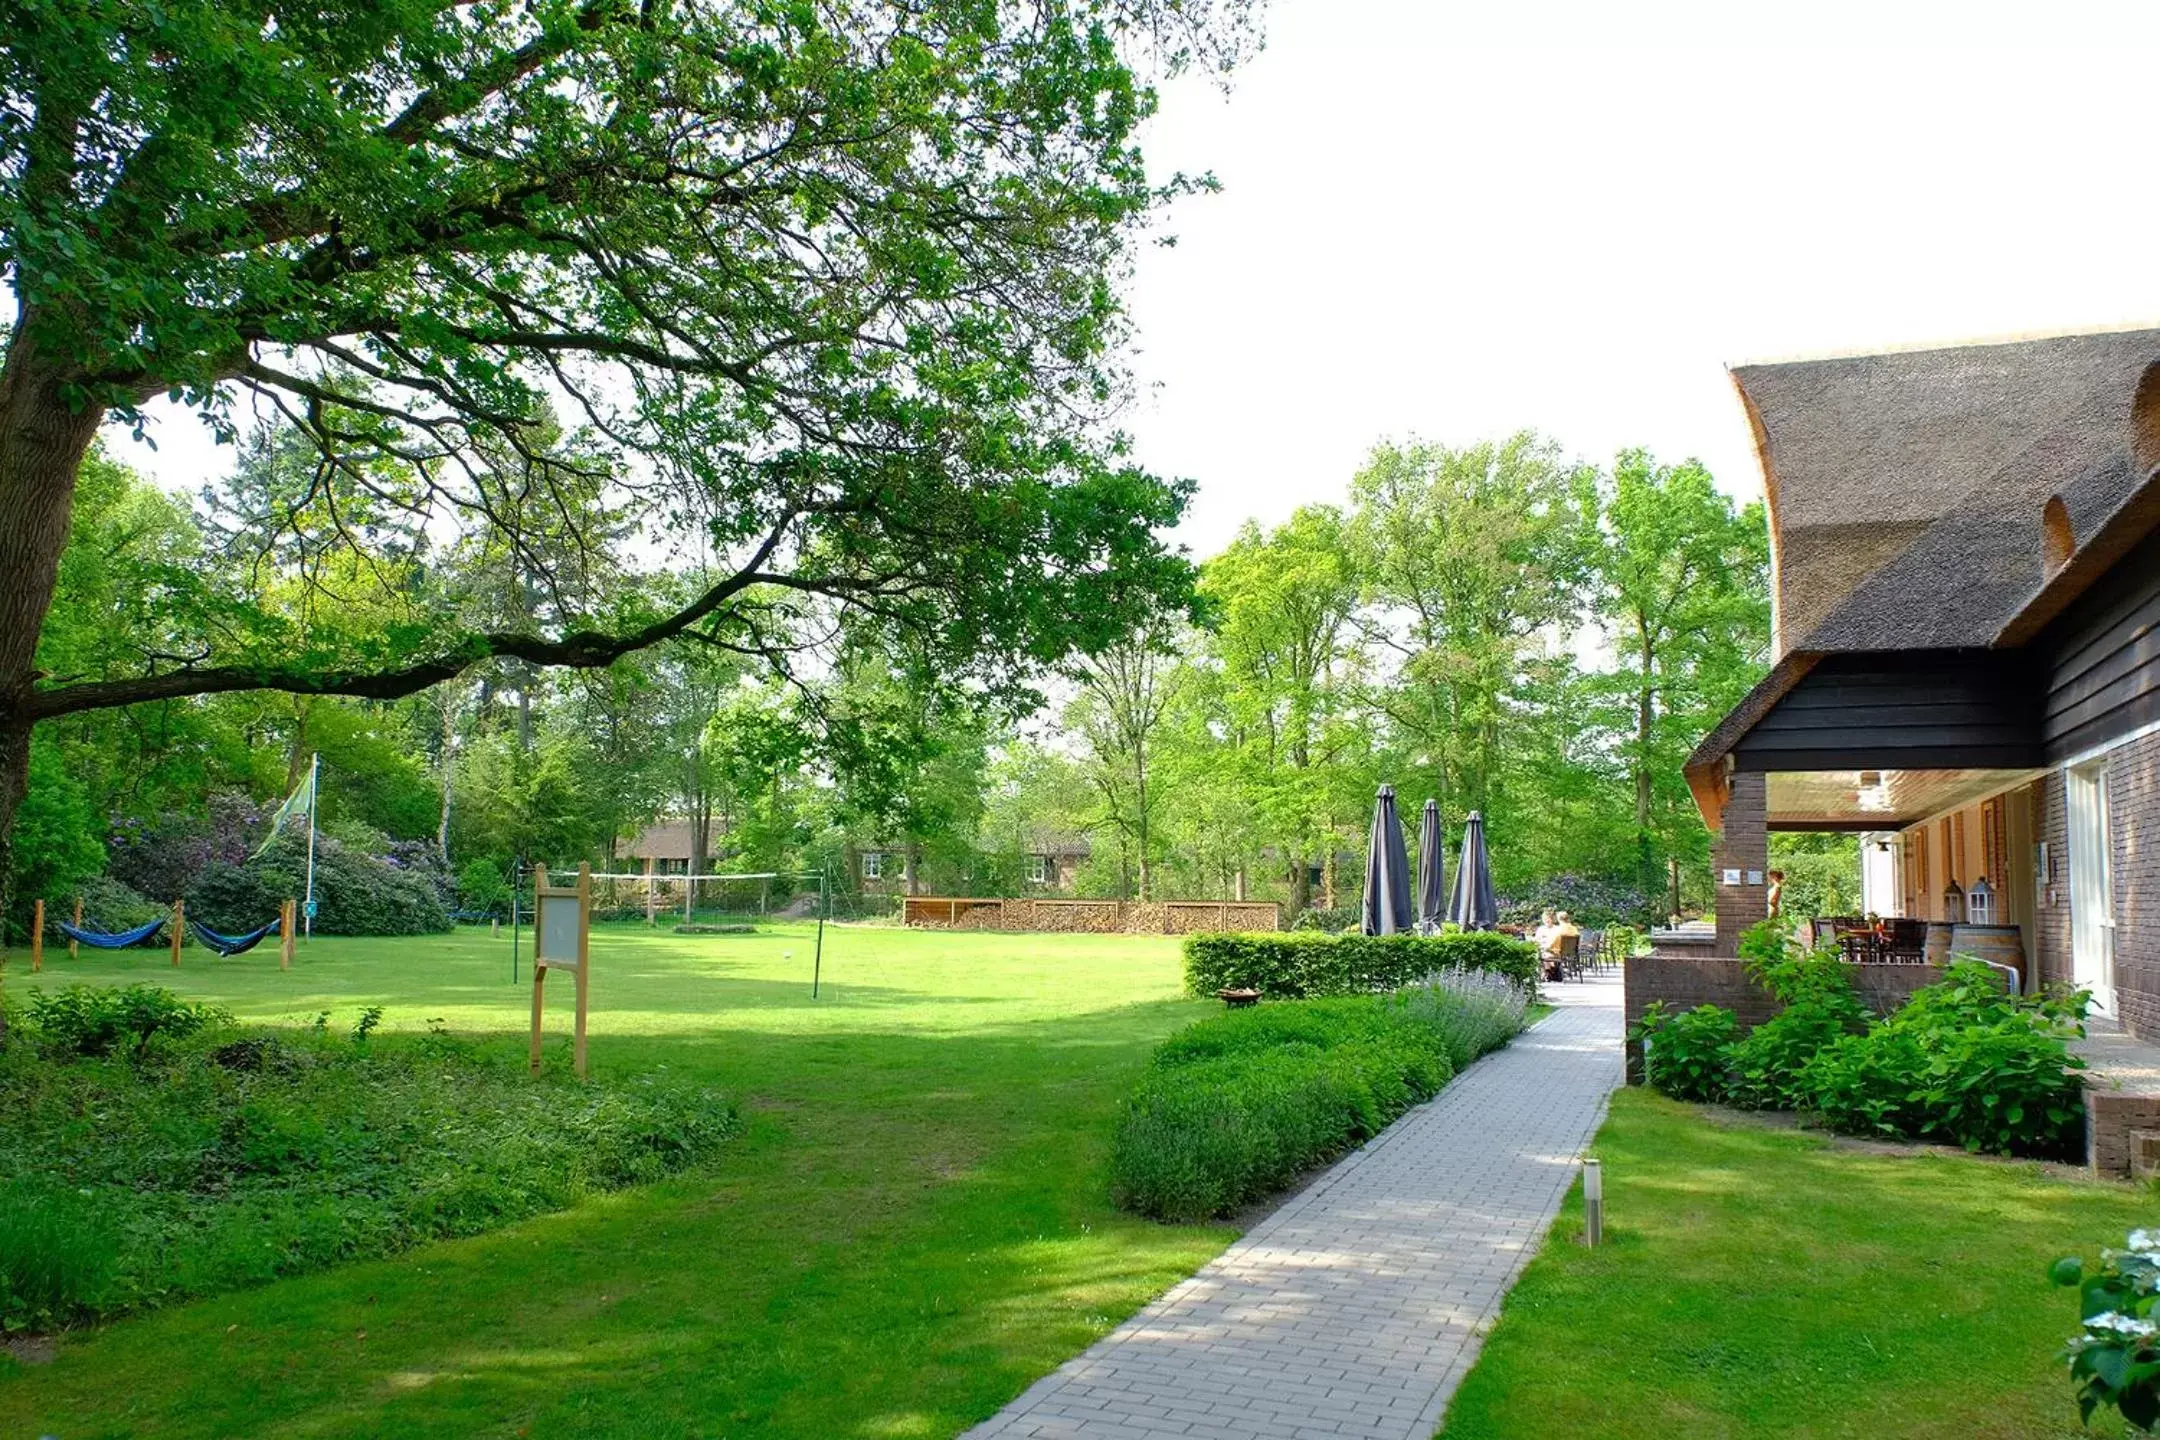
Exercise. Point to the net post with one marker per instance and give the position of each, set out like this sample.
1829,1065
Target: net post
37,939
652,895
584,961
817,958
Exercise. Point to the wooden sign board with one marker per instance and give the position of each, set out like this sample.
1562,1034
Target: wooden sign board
562,940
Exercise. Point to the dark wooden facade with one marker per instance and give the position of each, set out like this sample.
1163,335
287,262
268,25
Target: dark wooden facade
1903,709
2100,658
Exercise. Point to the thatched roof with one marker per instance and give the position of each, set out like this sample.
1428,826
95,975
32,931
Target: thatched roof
1908,490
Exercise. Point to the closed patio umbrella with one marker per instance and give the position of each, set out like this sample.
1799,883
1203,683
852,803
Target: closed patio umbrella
1431,870
1387,870
1474,906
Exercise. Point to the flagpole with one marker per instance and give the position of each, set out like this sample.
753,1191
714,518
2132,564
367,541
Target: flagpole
314,798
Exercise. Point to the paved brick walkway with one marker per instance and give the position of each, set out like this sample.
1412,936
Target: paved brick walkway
1357,1308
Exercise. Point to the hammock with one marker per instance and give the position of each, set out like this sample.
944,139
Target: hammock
232,944
99,940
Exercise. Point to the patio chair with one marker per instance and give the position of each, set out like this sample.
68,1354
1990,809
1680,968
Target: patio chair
1590,955
1566,959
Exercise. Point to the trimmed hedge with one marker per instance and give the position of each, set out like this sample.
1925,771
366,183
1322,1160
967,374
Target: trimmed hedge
1238,1106
1301,965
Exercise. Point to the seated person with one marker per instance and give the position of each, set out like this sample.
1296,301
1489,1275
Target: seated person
1563,929
1544,937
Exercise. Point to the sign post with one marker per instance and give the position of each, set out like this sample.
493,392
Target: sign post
562,940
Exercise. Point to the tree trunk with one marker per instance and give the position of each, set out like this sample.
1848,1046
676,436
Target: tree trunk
1300,887
42,443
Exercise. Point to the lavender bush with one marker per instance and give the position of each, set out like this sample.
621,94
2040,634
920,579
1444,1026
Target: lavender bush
1473,1010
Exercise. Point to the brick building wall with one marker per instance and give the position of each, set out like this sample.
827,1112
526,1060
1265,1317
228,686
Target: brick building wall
2050,930
1743,845
2133,774
1683,982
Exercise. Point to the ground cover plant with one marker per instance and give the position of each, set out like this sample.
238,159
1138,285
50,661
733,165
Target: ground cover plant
1300,965
154,1153
1962,1061
914,1224
1237,1106
1757,1280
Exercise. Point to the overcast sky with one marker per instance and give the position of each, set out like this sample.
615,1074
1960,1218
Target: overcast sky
1454,220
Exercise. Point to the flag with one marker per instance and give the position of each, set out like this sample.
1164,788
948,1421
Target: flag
301,803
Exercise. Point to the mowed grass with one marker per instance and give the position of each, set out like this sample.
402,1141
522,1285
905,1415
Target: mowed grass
916,1224
1759,1282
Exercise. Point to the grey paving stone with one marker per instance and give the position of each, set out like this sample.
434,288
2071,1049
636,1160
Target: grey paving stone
1357,1308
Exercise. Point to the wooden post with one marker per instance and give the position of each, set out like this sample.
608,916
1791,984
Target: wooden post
72,950
37,939
652,897
288,921
179,928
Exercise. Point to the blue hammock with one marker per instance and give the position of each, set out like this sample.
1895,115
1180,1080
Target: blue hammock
232,944
99,940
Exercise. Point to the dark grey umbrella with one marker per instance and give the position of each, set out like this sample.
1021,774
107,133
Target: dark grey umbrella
1431,870
1387,870
1473,906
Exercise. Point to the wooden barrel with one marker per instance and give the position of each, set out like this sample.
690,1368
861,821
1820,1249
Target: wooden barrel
1937,950
2001,944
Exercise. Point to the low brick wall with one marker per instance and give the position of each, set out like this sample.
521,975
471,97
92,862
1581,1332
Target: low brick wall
1685,981
1091,917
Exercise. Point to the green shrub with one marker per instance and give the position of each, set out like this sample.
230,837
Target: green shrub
232,1159
111,907
355,893
56,1256
1765,1069
1302,965
94,1020
1965,1062
1684,1054
1240,1105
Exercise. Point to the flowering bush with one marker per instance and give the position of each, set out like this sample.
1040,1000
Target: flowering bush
2114,1358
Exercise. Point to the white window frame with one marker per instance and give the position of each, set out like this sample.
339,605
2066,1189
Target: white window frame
873,865
2092,883
1038,869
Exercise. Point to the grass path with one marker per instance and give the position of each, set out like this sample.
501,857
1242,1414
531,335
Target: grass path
914,1228
1759,1282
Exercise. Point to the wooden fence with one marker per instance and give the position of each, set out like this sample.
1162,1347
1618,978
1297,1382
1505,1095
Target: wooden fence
1091,917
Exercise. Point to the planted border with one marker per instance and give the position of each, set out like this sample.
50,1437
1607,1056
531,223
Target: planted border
1299,965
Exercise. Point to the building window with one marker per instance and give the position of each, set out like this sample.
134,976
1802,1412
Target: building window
1038,869
873,865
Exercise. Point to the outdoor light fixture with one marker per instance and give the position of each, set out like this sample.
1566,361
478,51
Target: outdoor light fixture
1953,903
1980,903
1593,1202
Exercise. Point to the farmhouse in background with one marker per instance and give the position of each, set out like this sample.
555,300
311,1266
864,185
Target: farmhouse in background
1965,567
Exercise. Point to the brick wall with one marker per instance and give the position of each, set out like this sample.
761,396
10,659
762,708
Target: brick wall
1684,982
2133,773
1743,845
2050,931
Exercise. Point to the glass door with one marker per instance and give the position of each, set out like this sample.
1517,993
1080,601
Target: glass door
2092,886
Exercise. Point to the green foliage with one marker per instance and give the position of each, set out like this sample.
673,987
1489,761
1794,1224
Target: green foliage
57,1254
1766,1068
91,1020
112,907
1238,1106
229,1159
1302,965
1685,1054
483,887
1963,1062
355,893
2115,1356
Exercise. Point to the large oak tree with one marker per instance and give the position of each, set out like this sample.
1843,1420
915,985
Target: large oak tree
826,290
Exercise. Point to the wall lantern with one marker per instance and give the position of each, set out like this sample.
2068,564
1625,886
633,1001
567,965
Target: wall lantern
1980,903
1953,903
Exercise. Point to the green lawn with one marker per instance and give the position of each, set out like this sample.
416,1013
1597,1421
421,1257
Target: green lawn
1767,1283
914,1227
